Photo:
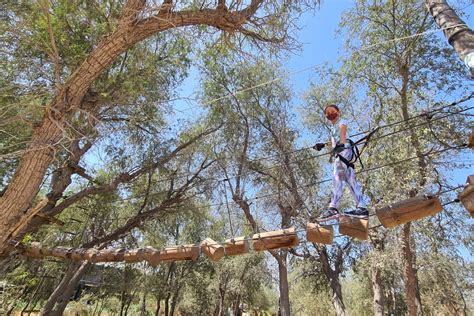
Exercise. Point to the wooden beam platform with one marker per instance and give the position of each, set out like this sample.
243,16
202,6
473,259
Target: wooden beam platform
283,238
212,249
409,210
319,234
236,246
467,195
354,227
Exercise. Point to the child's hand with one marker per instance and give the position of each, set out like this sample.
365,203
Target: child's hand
339,148
319,146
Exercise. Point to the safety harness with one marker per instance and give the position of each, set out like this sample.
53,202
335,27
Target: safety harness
355,150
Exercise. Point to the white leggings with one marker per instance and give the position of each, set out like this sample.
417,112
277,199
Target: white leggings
343,173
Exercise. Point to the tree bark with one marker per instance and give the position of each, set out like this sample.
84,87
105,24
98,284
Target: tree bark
129,302
377,288
143,304
222,291
123,298
460,37
167,304
378,243
11,308
335,285
33,297
283,283
59,299
411,280
158,306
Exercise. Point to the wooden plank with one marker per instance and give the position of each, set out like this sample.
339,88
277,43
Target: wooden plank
61,252
354,227
35,250
283,238
133,255
180,253
109,255
151,255
467,195
76,254
91,254
236,246
408,210
212,249
319,234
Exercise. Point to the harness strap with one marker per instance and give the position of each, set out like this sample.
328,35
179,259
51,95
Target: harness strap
347,162
355,150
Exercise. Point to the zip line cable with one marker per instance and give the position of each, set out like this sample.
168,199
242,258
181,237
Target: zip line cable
424,114
231,176
255,198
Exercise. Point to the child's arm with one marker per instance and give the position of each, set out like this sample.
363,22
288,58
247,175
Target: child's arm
343,132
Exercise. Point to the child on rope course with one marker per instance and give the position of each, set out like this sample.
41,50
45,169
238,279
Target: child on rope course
342,150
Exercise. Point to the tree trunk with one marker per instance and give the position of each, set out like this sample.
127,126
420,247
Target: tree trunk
130,301
158,306
167,305
334,283
33,297
59,299
460,37
283,284
222,291
377,288
122,302
143,304
411,281
175,299
27,179
12,306
237,306
378,243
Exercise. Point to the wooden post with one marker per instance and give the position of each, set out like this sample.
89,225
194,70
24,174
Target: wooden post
236,246
284,238
354,227
408,210
212,249
178,253
319,234
467,195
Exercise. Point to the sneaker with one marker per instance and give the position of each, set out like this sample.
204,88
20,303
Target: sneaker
329,214
360,212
